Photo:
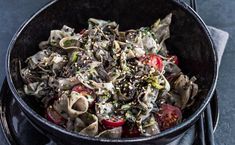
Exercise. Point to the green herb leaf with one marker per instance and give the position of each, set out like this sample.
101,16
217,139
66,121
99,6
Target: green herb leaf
70,42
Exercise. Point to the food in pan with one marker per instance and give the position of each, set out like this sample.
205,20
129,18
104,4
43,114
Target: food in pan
104,82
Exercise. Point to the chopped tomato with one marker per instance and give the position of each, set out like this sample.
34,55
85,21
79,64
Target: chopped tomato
53,116
86,92
81,89
153,60
174,59
168,116
113,122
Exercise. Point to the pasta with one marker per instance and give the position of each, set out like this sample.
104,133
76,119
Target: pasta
104,82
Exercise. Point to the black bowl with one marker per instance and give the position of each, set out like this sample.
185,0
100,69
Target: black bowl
190,40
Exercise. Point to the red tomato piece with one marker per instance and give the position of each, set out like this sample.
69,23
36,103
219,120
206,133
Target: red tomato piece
153,60
113,122
86,92
81,89
168,116
174,59
53,116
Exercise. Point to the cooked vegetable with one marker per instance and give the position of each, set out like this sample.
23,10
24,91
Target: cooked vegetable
113,122
154,61
86,92
109,83
168,116
53,116
174,59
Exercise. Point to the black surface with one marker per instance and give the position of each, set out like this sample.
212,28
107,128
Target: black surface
221,14
215,12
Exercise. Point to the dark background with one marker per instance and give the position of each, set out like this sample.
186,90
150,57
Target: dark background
218,13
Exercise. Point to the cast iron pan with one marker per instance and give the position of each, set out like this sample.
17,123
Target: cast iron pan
190,40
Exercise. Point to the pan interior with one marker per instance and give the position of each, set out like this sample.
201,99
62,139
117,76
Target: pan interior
188,39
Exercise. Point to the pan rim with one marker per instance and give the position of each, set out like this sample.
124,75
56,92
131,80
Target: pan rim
191,119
